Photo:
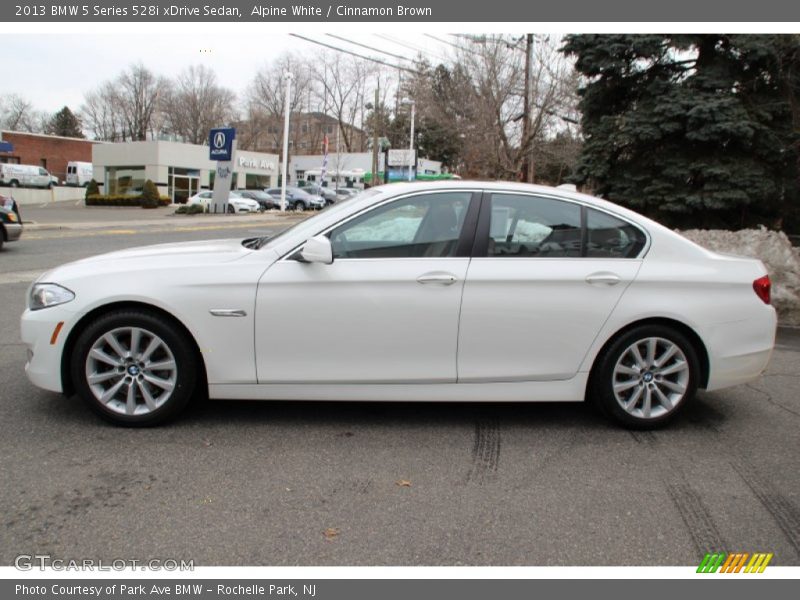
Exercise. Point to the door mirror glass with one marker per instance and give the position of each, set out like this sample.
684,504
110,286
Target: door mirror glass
318,250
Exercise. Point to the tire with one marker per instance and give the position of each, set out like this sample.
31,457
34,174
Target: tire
107,350
649,389
299,206
231,210
14,183
2,236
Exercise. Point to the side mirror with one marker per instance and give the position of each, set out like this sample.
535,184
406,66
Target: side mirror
318,250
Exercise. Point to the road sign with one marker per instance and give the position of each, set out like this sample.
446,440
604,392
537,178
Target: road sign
220,143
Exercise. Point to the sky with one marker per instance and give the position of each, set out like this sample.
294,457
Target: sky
53,70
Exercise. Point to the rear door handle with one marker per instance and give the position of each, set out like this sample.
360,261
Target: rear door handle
440,278
603,278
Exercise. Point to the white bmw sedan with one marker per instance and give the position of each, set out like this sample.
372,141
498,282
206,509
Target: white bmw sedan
446,291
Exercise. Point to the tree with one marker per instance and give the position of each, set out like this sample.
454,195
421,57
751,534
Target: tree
691,129
18,114
128,107
196,103
64,123
265,100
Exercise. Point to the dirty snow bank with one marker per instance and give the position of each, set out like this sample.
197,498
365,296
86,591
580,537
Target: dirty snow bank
774,249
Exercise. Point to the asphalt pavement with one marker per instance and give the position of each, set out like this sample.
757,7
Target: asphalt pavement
280,483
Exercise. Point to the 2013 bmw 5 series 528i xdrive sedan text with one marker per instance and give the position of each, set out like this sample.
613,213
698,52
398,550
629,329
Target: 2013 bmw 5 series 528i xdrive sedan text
446,291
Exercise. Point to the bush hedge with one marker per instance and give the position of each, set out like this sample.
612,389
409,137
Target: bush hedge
190,209
120,200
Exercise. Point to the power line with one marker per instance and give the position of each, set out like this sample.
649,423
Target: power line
375,60
433,37
417,49
401,57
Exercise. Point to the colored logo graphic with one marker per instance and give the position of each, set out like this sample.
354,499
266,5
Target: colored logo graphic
734,562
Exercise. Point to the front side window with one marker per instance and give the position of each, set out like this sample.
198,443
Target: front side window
420,226
527,226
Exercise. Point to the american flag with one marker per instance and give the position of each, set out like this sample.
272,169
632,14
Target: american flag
324,168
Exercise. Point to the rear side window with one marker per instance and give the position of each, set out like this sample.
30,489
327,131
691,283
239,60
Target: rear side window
528,226
610,237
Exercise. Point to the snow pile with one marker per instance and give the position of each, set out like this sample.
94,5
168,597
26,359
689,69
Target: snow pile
774,249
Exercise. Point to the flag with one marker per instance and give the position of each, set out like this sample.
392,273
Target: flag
324,168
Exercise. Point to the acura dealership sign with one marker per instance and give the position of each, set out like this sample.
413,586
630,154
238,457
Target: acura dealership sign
220,143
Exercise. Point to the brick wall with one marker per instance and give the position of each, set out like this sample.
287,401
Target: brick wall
31,148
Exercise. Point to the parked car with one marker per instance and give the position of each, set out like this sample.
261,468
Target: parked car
346,193
439,291
329,194
10,222
297,198
264,200
79,174
14,175
236,202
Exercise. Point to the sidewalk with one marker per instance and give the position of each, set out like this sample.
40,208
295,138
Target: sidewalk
69,215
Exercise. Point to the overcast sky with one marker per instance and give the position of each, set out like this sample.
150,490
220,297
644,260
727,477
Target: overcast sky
54,70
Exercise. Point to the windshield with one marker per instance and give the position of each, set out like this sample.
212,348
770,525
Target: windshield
310,223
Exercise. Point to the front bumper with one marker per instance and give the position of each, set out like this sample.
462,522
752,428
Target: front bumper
13,231
37,328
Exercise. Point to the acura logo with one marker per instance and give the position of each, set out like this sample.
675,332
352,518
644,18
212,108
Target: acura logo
219,140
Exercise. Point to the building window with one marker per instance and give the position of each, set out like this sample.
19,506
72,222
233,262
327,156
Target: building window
124,180
257,182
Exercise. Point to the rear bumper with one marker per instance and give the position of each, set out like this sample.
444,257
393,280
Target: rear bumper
740,351
13,231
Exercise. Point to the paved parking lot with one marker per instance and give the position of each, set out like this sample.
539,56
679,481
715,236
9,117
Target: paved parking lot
238,483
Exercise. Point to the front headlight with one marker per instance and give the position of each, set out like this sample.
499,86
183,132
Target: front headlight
45,295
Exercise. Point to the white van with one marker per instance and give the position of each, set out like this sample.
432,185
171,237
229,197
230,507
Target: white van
26,175
79,174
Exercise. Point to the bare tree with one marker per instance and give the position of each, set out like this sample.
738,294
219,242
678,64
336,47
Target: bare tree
101,114
341,82
18,114
138,92
265,100
196,103
125,108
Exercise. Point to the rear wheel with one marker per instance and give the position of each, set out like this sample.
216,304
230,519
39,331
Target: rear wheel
134,368
231,210
14,183
646,377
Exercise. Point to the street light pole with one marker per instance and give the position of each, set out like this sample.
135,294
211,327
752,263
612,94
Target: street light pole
411,145
286,109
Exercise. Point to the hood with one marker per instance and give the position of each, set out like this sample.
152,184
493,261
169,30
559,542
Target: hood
154,258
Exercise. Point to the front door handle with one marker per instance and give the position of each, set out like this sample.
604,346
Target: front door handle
603,278
440,278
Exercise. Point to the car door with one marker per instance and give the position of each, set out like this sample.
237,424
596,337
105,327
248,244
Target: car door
386,309
546,274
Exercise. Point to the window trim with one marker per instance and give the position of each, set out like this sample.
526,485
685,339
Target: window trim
480,247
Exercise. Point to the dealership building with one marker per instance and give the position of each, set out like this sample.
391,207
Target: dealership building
179,170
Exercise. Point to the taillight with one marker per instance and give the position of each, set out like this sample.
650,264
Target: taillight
762,287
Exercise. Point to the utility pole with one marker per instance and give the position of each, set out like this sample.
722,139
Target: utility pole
286,110
375,180
527,162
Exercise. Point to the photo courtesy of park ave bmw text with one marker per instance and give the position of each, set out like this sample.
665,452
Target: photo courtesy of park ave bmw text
399,299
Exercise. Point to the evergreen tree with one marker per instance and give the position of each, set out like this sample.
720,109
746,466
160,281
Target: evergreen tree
65,123
695,130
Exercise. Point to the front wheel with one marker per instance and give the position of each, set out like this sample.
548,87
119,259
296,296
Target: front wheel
134,368
646,377
299,207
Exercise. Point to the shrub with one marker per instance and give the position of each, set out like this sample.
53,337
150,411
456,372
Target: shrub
150,197
190,209
120,200
93,189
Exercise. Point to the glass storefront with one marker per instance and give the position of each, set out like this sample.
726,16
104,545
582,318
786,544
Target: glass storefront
183,184
123,181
